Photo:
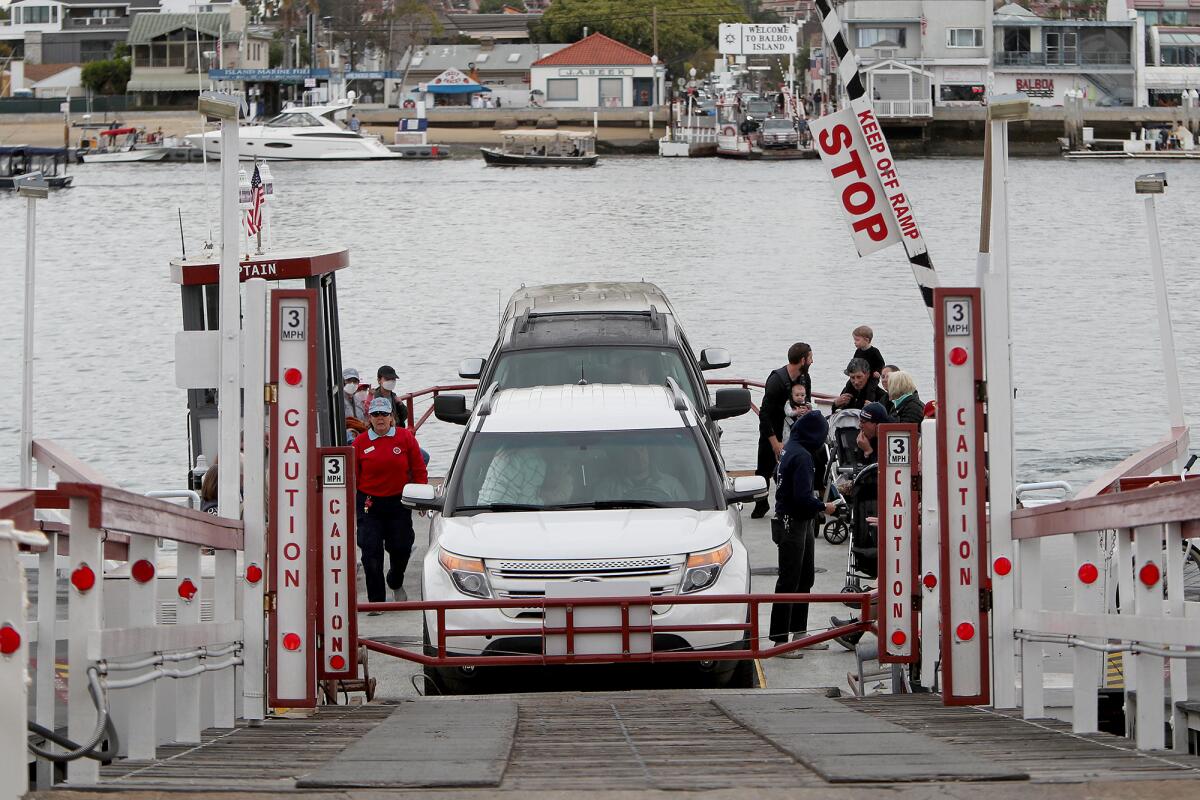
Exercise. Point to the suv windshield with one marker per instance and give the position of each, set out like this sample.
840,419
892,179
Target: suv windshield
521,369
777,125
653,468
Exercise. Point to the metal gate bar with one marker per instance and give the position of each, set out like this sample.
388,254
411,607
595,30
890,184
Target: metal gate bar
863,600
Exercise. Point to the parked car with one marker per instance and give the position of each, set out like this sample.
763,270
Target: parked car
584,484
779,132
596,333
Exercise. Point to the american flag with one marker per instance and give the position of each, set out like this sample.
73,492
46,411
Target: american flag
257,194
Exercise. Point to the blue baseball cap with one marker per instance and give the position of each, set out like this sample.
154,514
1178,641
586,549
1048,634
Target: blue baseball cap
381,404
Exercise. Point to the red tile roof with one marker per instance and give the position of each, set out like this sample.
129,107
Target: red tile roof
595,50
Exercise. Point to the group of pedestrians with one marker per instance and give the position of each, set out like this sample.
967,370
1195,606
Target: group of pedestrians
386,457
792,452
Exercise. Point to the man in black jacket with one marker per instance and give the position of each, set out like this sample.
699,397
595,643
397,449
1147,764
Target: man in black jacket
797,507
861,387
770,415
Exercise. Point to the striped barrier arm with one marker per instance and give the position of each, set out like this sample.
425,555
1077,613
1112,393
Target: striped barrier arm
914,243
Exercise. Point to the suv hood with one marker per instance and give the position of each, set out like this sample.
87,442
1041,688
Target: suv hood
586,534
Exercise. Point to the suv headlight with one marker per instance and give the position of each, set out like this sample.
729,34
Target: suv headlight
467,573
704,568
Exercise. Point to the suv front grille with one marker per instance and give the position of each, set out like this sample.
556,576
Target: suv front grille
527,579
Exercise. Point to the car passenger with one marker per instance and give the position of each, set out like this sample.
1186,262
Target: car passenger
515,476
636,478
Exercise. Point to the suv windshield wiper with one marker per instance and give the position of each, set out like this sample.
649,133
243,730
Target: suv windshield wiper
503,507
608,504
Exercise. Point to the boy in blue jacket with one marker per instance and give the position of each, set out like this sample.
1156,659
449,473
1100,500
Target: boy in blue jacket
797,506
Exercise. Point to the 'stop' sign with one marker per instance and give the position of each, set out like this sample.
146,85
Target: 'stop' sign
748,40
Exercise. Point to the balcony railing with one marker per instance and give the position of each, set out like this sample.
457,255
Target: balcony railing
1114,58
903,108
75,23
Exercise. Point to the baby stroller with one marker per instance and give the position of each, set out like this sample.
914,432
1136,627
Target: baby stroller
862,561
843,433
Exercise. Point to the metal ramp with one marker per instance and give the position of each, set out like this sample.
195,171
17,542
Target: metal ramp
646,741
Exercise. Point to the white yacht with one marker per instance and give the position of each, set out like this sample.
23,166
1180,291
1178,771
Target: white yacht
300,133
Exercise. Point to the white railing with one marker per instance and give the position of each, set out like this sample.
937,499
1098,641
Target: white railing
14,651
903,108
113,634
1152,621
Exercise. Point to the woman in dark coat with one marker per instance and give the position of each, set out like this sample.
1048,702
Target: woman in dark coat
906,403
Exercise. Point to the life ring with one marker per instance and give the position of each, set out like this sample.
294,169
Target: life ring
729,130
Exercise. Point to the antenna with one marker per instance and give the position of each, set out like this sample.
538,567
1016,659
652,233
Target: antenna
182,243
583,381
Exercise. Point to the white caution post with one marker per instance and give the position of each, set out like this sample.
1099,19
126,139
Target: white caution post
292,649
899,534
961,492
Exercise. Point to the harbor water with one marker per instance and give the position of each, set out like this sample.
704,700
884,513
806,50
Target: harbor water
754,256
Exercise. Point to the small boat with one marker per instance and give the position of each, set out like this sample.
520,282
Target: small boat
1159,142
122,145
691,141
542,149
19,160
301,133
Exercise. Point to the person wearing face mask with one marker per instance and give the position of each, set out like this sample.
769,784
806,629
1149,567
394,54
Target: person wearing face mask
386,377
356,420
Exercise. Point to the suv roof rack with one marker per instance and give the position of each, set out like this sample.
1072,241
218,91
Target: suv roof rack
484,407
656,320
678,398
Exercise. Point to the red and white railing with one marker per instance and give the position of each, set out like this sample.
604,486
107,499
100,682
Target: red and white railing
118,643
1146,616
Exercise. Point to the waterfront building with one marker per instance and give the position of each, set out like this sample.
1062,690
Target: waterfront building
1171,44
503,67
599,72
916,54
173,52
1044,58
47,80
69,31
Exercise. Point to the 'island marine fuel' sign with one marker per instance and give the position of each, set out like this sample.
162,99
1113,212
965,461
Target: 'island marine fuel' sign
961,492
848,156
292,650
898,534
339,629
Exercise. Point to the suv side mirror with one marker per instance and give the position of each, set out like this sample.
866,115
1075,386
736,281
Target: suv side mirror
471,368
423,497
452,408
728,403
745,489
714,358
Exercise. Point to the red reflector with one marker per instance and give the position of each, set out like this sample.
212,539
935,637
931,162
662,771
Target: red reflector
958,356
898,638
1088,573
253,574
337,662
965,631
1002,566
142,571
1149,573
929,581
83,578
187,589
291,641
292,376
10,640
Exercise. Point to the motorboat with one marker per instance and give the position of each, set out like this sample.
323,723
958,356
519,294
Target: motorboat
549,148
301,133
20,160
122,145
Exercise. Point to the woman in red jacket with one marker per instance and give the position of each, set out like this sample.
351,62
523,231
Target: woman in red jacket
386,458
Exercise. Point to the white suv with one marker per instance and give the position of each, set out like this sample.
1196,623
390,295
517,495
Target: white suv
599,484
